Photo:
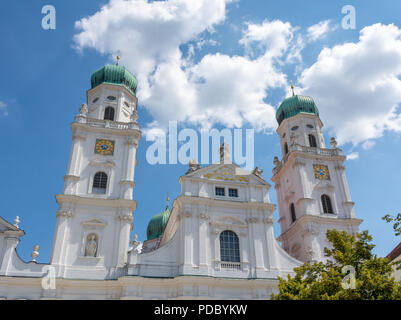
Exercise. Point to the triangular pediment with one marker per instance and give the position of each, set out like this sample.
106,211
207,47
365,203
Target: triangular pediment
227,173
94,223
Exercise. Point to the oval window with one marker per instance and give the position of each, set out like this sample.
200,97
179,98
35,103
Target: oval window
294,128
126,104
309,126
111,98
95,100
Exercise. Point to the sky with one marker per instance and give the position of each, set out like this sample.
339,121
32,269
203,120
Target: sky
206,64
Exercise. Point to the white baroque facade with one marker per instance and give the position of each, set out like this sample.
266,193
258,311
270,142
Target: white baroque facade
216,243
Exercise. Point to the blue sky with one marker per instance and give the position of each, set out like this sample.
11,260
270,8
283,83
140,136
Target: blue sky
255,47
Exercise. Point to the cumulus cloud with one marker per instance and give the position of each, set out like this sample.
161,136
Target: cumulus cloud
357,86
3,109
231,90
353,156
319,31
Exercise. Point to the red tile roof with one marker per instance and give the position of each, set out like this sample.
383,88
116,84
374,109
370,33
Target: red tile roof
395,253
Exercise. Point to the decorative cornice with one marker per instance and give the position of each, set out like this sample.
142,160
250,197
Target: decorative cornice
242,205
298,163
269,220
72,177
100,202
252,220
310,229
203,216
348,203
64,214
125,217
131,142
78,137
128,182
129,131
184,215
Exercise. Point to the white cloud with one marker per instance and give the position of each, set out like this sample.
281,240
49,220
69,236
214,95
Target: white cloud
357,86
230,90
319,31
3,109
272,38
368,144
353,156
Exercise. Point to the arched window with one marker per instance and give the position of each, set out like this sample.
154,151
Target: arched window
109,113
285,148
99,183
312,141
229,247
293,215
326,203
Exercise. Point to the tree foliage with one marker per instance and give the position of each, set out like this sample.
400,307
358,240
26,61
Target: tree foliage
326,281
397,222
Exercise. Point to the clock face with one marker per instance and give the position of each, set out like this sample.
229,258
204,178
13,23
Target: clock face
104,147
321,172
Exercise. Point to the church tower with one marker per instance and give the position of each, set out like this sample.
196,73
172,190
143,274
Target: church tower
310,181
95,213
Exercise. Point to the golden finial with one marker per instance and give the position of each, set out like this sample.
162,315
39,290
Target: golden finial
118,59
292,88
168,200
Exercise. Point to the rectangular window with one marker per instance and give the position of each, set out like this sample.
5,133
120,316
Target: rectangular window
233,193
220,191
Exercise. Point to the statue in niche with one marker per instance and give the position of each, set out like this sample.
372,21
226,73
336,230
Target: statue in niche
91,246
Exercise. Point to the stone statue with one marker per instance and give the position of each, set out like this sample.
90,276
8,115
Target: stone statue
193,166
136,245
35,253
276,162
333,143
83,110
134,116
257,172
91,246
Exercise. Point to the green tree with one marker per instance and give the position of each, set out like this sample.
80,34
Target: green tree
397,222
326,281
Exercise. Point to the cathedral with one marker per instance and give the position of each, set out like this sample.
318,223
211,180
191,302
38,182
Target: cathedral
217,239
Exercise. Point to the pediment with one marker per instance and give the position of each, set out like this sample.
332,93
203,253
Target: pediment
227,173
94,223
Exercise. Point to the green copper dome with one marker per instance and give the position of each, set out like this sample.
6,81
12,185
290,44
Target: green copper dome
114,74
294,105
157,225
